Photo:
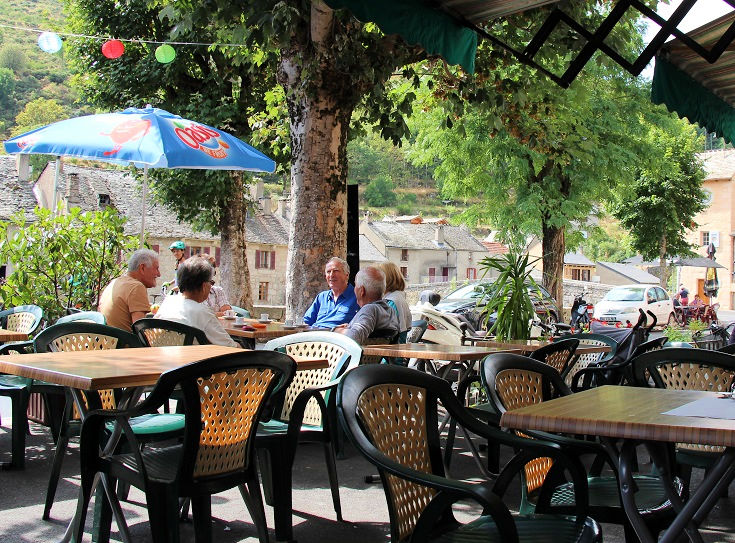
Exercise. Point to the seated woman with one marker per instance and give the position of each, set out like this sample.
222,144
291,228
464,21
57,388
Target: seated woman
194,277
217,300
696,308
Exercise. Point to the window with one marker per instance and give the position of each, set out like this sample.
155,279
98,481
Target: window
705,238
471,273
404,255
585,275
262,292
265,260
432,275
196,250
404,272
156,247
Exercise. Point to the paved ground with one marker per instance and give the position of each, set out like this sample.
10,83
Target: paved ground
364,508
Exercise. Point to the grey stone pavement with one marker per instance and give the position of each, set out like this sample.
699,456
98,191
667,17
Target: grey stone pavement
363,505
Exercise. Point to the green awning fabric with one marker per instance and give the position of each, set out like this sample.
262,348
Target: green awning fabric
418,24
688,98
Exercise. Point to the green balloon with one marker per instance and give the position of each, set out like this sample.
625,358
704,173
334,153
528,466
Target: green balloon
165,53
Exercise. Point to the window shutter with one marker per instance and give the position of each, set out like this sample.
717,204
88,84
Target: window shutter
187,252
156,248
217,255
273,260
257,259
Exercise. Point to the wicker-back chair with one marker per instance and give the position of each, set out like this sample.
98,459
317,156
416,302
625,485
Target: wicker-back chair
85,316
308,404
88,336
513,381
165,333
417,331
585,360
391,415
557,355
727,349
25,319
223,398
687,369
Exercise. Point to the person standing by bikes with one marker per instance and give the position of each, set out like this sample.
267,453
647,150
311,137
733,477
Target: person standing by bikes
177,249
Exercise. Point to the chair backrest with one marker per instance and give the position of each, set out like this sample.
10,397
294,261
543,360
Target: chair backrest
85,316
582,361
85,336
22,318
648,346
341,352
390,413
685,369
240,312
223,398
512,381
712,342
417,331
165,333
727,349
557,354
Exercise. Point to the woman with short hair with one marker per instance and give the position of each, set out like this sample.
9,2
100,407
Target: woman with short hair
194,277
395,285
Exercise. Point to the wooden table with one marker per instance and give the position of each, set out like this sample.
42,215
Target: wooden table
530,345
9,335
635,415
117,368
270,331
431,351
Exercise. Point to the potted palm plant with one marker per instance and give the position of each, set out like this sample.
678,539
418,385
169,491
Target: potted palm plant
508,297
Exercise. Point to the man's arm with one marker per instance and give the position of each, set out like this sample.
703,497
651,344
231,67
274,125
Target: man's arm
313,311
137,315
362,325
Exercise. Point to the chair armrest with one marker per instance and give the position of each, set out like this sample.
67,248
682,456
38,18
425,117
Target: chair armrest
21,347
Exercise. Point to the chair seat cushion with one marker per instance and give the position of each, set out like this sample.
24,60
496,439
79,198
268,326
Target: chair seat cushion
531,528
161,463
603,492
155,423
279,427
13,381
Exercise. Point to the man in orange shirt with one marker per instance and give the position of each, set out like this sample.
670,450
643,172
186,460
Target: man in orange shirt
125,299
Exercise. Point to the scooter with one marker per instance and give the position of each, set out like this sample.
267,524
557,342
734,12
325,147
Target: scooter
580,312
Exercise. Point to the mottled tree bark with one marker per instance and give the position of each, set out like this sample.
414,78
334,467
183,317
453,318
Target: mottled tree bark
663,264
553,261
234,274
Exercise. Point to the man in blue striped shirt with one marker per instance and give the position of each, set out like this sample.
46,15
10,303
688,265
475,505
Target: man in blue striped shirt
338,304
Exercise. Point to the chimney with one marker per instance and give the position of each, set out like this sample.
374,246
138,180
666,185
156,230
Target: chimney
72,191
439,234
282,207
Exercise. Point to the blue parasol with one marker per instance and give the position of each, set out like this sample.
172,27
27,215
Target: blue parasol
146,138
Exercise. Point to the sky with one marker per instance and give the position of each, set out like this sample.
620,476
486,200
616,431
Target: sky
701,13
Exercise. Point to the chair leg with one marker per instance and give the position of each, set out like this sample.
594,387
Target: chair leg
265,468
280,476
201,506
19,405
163,508
254,502
330,459
85,494
61,443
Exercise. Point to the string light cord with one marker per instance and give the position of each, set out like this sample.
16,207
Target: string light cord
125,40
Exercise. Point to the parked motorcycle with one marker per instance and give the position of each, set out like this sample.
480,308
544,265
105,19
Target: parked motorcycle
581,312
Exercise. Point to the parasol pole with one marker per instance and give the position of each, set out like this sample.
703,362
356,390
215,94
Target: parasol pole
142,205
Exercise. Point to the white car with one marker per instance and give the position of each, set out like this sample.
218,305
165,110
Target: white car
621,304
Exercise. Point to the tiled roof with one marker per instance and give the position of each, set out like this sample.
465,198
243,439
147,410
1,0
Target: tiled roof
636,275
125,195
495,248
422,236
718,164
577,259
369,252
16,195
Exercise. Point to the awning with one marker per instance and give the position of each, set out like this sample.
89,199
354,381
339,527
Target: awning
697,262
440,26
695,76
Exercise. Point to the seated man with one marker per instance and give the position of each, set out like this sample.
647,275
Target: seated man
337,305
375,315
125,299
217,299
194,277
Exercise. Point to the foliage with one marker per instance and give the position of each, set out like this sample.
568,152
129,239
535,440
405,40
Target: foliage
677,334
379,192
7,86
659,206
62,260
508,296
607,242
13,58
37,113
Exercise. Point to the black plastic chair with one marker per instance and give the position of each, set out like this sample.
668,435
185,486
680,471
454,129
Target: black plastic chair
687,369
585,360
25,319
308,408
166,333
390,414
417,331
513,381
557,355
727,349
87,336
223,399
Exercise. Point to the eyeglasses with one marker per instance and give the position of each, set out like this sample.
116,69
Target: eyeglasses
211,282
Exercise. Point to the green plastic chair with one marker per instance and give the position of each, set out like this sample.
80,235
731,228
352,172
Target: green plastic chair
308,405
85,316
87,336
240,312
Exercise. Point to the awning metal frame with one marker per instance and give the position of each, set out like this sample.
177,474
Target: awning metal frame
596,39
